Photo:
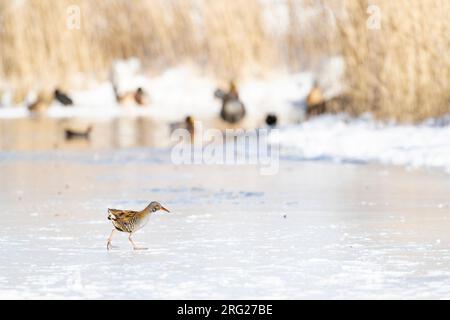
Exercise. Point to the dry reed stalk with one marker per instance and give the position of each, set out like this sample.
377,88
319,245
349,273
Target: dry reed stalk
400,71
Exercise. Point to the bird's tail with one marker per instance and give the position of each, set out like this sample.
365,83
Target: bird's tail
219,94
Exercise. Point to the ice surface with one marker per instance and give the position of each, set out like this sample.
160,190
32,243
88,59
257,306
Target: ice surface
314,230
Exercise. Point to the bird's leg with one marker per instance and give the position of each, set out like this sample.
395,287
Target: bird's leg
109,245
134,245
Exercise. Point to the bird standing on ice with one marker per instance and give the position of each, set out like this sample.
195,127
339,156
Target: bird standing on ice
131,221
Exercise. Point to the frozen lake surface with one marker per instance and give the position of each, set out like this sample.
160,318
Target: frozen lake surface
314,230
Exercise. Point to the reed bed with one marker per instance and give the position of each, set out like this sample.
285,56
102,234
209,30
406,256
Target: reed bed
400,71
228,37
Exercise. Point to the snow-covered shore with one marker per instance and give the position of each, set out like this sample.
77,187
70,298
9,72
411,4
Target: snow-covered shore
182,91
343,139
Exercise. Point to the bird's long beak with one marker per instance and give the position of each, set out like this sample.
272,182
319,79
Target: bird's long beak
164,209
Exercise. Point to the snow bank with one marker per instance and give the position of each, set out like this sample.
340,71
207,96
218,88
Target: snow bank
341,138
179,92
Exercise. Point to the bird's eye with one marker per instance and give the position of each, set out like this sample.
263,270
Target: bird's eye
154,209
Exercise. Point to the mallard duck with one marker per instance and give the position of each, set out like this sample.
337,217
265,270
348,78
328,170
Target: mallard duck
233,110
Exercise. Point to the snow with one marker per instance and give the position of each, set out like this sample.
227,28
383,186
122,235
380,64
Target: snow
344,139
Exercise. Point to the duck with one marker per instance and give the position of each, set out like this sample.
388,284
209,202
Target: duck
233,110
41,104
315,102
125,98
271,120
72,134
141,97
62,97
188,124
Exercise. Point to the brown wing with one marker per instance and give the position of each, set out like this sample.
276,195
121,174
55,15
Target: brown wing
124,215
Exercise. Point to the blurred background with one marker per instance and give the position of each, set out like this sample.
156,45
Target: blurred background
397,71
382,58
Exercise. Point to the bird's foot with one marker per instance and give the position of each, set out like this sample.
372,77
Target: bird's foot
109,246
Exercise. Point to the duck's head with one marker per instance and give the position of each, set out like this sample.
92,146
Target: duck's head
233,87
156,206
189,120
